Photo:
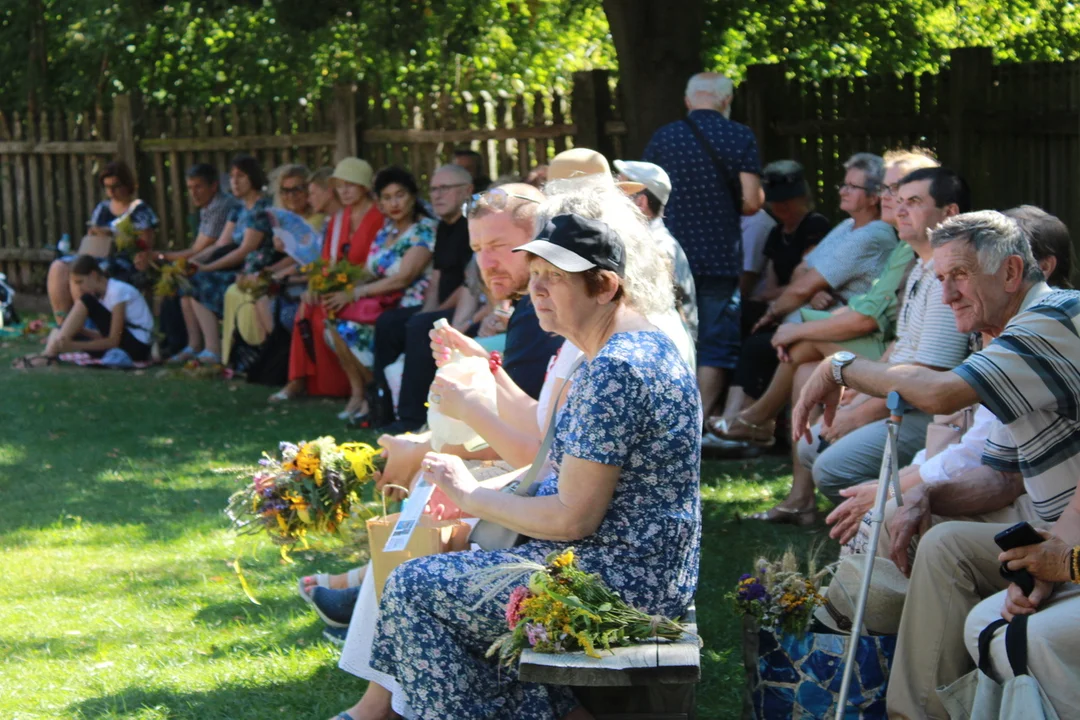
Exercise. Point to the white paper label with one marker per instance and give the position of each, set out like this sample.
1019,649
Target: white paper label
410,516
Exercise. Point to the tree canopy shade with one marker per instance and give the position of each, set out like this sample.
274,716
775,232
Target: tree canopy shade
198,52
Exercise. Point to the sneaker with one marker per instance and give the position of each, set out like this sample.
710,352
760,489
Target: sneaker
335,635
335,607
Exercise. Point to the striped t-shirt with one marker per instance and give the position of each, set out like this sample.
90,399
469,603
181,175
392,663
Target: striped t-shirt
925,326
1029,378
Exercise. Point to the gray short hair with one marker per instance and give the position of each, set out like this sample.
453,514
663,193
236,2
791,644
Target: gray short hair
873,166
994,236
460,174
646,283
714,86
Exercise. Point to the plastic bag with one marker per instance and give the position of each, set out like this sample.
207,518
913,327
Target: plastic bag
475,373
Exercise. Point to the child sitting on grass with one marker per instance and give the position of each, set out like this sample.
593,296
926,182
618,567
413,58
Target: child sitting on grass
121,320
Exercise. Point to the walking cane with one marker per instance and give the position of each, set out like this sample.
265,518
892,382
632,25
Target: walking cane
890,472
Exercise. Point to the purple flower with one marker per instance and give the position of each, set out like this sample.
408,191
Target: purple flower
535,633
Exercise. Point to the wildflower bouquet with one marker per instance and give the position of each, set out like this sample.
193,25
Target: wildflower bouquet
310,489
341,276
780,596
564,609
258,285
172,278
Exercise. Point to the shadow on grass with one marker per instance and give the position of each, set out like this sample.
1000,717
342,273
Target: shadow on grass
323,694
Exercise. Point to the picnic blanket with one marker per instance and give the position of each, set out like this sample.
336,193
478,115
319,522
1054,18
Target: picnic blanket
83,359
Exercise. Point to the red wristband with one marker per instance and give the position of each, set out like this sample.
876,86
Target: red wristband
495,361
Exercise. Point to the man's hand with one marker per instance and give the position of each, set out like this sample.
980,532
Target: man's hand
1049,560
820,389
822,300
847,516
1017,604
911,519
845,421
493,324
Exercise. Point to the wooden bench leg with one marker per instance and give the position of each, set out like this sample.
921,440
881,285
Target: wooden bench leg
649,702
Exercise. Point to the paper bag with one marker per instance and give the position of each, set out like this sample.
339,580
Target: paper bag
430,537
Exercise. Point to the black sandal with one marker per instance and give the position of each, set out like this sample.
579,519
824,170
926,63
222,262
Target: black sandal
32,362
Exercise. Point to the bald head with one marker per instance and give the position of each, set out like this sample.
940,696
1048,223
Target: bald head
709,91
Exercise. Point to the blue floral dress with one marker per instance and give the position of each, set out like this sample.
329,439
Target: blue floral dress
635,405
209,287
120,264
384,260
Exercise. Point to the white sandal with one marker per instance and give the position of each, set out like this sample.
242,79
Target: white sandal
352,578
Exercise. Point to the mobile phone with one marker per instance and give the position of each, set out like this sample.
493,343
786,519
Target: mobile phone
1019,535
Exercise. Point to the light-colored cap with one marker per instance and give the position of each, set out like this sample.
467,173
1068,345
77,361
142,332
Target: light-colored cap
354,170
653,177
582,162
884,604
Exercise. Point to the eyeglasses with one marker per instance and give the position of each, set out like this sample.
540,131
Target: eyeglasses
439,189
890,190
495,199
111,186
294,190
848,186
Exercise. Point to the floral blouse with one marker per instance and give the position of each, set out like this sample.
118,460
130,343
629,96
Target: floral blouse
388,248
255,218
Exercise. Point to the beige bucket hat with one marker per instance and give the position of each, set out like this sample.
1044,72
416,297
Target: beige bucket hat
354,170
884,605
582,162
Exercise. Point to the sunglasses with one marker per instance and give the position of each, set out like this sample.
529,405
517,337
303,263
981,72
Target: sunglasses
295,190
495,199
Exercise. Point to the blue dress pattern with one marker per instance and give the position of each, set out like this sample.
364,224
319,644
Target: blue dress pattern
209,288
635,405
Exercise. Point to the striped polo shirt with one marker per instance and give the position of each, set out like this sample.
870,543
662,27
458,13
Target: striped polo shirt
1029,377
925,326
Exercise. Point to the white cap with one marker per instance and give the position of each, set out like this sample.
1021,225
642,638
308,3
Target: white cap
651,176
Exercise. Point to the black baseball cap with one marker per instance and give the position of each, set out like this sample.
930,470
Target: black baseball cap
575,244
783,180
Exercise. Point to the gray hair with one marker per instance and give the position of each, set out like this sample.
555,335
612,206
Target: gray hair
321,177
282,173
713,86
460,174
647,283
873,166
994,236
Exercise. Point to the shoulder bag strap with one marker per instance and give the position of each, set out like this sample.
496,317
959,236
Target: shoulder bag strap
985,638
1016,645
721,169
541,455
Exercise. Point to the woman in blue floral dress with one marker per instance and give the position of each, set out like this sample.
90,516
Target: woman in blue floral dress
622,489
246,245
400,261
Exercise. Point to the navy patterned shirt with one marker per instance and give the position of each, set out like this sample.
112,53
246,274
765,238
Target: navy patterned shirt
700,211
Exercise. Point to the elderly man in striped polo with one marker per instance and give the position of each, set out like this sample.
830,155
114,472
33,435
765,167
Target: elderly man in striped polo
1029,377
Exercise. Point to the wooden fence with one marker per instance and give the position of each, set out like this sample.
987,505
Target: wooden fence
1012,130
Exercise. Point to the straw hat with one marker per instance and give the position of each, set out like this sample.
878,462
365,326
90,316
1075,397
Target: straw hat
884,604
354,170
582,162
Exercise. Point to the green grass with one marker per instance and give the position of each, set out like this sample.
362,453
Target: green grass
118,599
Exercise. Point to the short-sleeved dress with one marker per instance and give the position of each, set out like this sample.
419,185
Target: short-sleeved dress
384,260
636,406
209,288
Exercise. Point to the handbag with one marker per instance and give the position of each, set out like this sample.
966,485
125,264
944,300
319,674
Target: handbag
733,184
979,695
368,309
493,536
798,676
948,430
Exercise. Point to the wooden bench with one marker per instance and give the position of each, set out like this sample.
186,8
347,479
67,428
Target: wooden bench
651,681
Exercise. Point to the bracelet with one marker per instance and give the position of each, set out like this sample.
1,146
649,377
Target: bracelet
495,361
1074,571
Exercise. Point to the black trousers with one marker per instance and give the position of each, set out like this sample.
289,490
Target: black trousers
172,326
757,363
102,318
404,330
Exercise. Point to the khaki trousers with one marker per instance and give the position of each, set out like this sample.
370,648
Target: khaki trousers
955,569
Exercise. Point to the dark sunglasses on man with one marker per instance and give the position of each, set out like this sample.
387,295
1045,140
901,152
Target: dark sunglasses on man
496,199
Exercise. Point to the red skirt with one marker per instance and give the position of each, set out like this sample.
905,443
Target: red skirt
323,375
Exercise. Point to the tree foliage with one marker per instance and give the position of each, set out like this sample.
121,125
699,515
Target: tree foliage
192,52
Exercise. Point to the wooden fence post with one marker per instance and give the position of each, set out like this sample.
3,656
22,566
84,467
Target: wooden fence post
123,128
970,75
344,113
765,86
590,107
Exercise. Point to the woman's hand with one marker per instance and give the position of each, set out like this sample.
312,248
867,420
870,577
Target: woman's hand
308,298
1049,560
454,398
1016,603
493,324
822,300
847,516
449,474
787,334
335,301
403,454
444,340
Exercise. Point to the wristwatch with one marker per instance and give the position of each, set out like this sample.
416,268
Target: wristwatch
840,361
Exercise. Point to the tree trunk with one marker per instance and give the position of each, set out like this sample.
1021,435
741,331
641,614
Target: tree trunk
658,44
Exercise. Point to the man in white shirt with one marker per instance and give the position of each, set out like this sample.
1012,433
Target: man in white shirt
651,202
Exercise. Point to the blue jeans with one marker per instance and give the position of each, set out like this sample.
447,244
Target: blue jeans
719,334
